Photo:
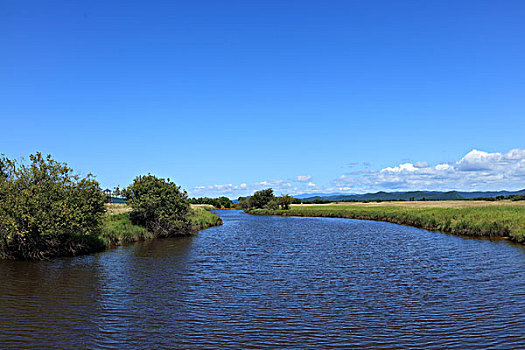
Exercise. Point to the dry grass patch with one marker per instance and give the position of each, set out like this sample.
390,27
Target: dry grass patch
202,206
117,208
422,204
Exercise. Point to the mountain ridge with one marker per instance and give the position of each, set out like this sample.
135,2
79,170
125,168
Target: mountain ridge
409,195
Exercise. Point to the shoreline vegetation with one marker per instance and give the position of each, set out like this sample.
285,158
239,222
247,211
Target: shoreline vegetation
502,219
48,211
118,228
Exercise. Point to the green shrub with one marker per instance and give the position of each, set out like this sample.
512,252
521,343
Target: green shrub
45,207
159,205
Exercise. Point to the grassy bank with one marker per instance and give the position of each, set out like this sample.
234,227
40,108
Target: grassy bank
504,220
118,228
202,219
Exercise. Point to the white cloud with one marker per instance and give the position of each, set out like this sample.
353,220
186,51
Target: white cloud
303,178
478,160
477,170
400,168
443,167
243,189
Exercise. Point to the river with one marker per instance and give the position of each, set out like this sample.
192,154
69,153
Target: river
273,282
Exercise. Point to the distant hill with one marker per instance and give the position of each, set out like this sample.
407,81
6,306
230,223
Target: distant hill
469,195
415,195
320,195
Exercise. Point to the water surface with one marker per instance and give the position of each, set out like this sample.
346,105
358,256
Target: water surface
273,282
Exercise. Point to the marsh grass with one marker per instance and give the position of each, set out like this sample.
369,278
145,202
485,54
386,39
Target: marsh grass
202,219
118,229
202,206
117,208
478,221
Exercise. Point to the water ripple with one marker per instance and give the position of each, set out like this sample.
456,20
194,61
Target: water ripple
274,282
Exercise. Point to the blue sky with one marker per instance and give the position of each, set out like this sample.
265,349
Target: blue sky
305,96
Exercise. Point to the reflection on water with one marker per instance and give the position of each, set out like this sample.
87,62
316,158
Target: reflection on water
273,282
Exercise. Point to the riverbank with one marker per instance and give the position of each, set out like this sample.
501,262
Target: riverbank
496,221
118,228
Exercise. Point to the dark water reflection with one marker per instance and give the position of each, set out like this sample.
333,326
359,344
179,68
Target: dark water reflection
274,282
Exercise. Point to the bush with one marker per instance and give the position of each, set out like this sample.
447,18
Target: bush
159,205
45,207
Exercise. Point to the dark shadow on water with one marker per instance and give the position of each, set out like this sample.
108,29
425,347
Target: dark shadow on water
165,246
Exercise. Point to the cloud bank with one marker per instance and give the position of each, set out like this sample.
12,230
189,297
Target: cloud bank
476,171
243,189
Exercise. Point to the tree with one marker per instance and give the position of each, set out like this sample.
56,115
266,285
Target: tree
284,201
260,198
159,205
44,205
216,202
224,202
273,204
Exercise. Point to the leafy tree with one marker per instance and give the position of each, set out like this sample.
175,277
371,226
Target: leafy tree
44,207
272,204
116,191
266,199
284,201
296,200
317,201
159,205
221,202
260,198
224,202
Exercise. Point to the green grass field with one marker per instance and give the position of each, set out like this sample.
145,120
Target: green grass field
479,221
